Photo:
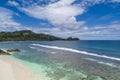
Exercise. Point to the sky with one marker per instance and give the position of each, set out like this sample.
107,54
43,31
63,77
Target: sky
85,19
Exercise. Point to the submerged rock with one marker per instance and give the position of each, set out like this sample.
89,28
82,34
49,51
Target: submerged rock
97,78
13,50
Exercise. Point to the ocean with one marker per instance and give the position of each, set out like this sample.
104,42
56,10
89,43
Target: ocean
69,60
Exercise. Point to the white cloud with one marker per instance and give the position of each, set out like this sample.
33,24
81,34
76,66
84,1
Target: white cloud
6,21
12,3
6,18
61,13
115,0
90,2
87,3
111,31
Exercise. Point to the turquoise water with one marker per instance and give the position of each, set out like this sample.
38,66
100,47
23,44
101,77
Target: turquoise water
69,60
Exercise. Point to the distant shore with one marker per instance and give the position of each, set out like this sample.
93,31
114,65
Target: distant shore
38,41
13,70
27,35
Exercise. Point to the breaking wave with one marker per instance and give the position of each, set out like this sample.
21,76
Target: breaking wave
101,62
77,51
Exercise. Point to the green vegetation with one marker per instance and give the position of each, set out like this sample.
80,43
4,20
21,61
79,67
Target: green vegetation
27,35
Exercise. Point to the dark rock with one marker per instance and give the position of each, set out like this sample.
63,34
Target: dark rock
13,50
72,39
2,52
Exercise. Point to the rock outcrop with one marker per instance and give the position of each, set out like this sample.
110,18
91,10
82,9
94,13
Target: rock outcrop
13,50
8,52
2,52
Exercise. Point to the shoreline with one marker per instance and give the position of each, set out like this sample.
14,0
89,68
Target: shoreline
45,64
42,41
57,40
13,70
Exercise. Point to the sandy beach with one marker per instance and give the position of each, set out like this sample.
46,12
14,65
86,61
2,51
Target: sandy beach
13,70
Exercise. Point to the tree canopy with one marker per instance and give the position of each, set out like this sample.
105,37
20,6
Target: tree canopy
27,35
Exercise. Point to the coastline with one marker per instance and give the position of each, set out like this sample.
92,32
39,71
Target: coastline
13,70
43,63
42,41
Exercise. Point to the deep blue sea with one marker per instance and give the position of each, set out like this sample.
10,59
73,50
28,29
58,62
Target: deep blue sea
69,60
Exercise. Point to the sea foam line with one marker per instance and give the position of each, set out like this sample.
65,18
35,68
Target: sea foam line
76,51
101,62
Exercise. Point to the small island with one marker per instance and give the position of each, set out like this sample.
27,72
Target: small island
27,35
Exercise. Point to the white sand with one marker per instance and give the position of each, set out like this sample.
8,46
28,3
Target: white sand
13,70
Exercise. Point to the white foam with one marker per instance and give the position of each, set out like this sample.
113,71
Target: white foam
77,51
32,47
53,52
101,62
